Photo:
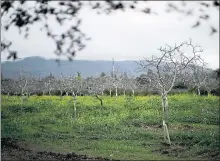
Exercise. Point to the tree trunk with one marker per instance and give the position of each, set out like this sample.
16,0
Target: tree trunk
198,90
8,94
166,133
165,117
209,93
165,107
61,94
74,100
102,92
124,92
23,98
110,92
50,94
132,92
116,91
99,99
22,92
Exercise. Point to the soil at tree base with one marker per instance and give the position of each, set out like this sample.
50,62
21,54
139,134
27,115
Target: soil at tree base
12,150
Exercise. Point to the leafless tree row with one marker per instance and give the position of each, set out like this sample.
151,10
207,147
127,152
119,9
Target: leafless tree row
27,84
178,63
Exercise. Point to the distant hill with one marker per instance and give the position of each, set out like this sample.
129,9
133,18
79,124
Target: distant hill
42,67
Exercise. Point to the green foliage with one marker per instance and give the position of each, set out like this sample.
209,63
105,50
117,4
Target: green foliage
134,122
23,109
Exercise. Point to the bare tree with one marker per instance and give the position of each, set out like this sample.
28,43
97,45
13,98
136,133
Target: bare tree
23,83
95,88
7,86
59,85
211,82
133,85
65,83
80,84
43,88
165,69
72,87
143,82
75,85
49,84
116,80
40,88
109,84
197,76
32,84
103,82
15,88
125,82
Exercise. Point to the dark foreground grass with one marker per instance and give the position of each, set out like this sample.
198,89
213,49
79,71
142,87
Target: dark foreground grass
124,128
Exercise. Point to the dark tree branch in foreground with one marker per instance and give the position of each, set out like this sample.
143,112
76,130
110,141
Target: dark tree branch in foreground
22,15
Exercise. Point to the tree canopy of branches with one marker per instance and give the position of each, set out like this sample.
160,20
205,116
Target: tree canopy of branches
23,16
163,71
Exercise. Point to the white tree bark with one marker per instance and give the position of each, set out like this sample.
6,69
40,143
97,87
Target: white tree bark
198,89
166,133
49,93
171,63
209,92
74,102
165,107
116,91
165,117
61,94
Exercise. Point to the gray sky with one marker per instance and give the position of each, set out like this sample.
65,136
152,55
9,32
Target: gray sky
126,35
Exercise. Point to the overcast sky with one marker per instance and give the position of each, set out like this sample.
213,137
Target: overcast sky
126,35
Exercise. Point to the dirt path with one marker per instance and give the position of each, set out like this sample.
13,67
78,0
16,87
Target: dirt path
12,151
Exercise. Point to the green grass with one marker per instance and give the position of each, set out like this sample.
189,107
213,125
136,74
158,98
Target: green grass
124,128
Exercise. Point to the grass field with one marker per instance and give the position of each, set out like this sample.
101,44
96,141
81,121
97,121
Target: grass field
123,128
